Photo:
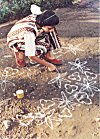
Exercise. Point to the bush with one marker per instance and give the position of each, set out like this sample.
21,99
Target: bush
20,7
12,9
4,12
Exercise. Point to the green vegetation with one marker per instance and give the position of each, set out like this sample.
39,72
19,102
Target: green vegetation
12,9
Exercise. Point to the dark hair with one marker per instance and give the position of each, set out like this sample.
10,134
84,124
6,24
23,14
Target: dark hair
48,18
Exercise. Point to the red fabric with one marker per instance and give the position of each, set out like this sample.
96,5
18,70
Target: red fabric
54,61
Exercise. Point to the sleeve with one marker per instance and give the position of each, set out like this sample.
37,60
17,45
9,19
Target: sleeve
54,39
30,47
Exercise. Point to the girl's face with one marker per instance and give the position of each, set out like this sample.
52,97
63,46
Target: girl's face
48,28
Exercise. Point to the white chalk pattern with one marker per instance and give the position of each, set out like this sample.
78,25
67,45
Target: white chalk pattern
89,86
72,48
78,65
59,79
4,82
54,110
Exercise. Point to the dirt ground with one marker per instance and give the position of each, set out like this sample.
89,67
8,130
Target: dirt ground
63,105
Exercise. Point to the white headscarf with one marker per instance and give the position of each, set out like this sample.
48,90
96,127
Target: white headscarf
35,9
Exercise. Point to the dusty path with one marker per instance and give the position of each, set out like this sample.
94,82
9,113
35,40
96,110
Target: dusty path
79,35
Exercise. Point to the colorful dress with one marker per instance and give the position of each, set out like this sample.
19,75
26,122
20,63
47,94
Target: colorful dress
24,36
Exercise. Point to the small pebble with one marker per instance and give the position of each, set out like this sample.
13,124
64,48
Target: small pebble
7,124
97,119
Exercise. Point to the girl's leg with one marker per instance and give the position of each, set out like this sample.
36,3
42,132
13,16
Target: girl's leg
20,58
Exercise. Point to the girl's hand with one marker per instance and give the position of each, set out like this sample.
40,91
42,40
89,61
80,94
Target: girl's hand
51,67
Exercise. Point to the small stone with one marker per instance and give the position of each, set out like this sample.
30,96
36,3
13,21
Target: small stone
0,111
33,136
93,121
74,127
14,94
97,119
66,133
7,124
47,134
88,109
